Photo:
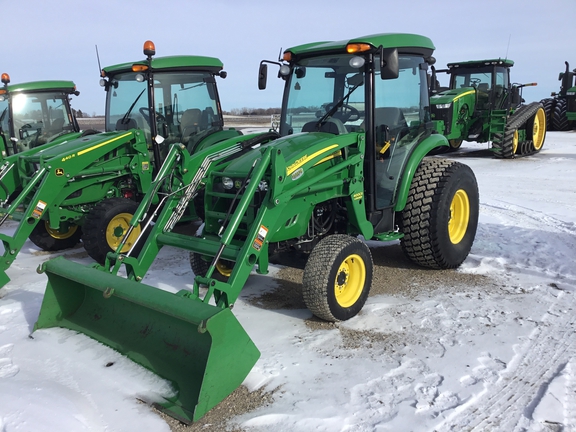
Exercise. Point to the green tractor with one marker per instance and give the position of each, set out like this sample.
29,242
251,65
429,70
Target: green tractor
481,105
350,160
88,188
561,107
32,115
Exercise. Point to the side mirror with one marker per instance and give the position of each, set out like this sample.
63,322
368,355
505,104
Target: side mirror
262,76
516,99
389,68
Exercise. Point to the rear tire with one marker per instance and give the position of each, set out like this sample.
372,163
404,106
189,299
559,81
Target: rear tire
106,225
337,278
200,267
54,240
536,129
549,104
560,121
440,219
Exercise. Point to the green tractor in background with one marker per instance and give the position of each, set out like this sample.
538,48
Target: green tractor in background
88,188
481,105
32,115
561,107
349,160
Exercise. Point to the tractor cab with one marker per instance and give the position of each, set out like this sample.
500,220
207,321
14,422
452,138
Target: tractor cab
35,113
489,79
171,99
375,95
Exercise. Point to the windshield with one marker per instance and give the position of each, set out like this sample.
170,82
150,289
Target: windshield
315,86
479,78
185,104
38,118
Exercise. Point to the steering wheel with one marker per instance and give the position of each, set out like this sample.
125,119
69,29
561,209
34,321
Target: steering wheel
475,81
145,111
345,112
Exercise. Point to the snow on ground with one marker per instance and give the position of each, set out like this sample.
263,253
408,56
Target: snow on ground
499,357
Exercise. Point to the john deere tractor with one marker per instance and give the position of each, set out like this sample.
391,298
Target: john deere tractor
33,117
88,188
348,163
481,105
561,107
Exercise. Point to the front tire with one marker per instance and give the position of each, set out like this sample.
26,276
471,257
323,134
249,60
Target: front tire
337,278
106,225
52,240
440,219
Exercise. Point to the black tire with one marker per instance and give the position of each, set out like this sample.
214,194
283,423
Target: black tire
200,267
559,120
106,225
440,219
327,286
549,104
455,145
53,240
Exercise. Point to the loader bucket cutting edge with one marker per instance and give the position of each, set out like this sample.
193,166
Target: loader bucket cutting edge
202,349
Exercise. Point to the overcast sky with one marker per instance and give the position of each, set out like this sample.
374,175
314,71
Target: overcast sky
56,39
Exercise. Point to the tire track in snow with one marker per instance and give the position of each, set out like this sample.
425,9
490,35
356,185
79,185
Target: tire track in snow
508,404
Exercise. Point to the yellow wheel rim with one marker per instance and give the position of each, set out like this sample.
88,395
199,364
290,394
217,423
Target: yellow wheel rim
539,129
59,235
117,227
459,216
455,143
223,269
350,280
515,142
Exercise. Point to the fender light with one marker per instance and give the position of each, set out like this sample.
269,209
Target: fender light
358,47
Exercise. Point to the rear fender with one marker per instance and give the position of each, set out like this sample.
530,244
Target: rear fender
425,147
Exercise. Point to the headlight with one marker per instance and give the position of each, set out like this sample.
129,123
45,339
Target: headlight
570,93
443,106
227,183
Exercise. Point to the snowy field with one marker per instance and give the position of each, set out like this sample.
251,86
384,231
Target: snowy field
498,356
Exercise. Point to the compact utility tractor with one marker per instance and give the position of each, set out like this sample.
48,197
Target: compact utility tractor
32,115
349,160
88,188
561,107
481,105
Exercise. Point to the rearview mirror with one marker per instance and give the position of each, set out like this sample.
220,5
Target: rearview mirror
262,76
389,68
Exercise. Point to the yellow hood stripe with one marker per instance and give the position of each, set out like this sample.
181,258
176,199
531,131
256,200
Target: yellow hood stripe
305,159
81,152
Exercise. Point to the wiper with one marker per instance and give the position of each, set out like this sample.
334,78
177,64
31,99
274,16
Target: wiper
123,121
337,105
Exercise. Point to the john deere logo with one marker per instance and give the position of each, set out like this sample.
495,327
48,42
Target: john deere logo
59,172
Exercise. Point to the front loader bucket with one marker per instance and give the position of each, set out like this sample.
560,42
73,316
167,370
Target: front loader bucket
202,349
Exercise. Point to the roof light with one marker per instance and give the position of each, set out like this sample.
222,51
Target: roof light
5,78
287,56
358,47
149,48
139,68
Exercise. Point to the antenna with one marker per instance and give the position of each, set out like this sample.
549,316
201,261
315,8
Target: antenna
507,47
98,57
280,55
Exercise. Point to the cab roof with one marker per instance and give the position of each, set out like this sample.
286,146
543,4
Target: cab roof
405,42
482,63
39,86
172,63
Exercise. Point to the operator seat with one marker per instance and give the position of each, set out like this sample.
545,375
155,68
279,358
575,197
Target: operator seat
190,123
332,125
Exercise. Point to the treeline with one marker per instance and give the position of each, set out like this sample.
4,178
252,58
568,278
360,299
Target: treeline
252,111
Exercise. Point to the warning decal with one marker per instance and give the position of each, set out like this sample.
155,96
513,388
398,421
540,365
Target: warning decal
37,213
259,240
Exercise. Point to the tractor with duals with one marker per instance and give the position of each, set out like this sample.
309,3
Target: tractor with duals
482,105
561,106
88,188
350,162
